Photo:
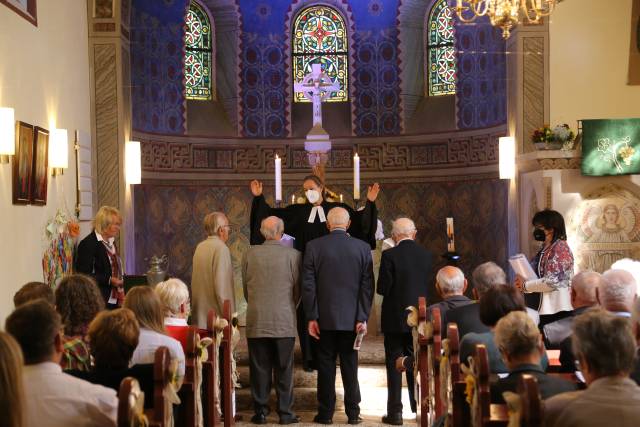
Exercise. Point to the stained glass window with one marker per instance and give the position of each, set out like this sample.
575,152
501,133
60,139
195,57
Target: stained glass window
441,53
197,60
320,36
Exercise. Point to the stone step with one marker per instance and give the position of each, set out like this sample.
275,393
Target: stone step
371,352
368,375
374,400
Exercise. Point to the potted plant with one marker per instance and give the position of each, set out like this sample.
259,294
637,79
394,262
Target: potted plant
560,137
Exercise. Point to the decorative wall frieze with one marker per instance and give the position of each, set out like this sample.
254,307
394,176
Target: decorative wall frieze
403,153
549,160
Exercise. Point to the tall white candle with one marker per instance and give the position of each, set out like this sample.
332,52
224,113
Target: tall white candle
451,244
278,179
293,199
341,199
356,177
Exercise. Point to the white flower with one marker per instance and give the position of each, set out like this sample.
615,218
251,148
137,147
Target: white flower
561,133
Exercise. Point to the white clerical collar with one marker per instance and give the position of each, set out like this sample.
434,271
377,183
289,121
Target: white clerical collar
109,241
317,210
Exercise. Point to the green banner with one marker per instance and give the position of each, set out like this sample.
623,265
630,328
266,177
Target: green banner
610,147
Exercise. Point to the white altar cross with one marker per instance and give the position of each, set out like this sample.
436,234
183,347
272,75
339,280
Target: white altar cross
316,87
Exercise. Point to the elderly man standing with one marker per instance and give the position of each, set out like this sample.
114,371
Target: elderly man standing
337,292
404,273
271,281
212,277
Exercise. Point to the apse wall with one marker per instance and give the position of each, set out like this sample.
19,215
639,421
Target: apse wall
263,80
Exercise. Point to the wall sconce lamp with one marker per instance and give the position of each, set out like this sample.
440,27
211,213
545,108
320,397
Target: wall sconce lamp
7,134
133,162
58,151
507,157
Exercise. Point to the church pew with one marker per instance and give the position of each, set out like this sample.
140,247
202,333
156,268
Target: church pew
487,414
454,404
422,351
160,415
228,392
130,404
187,393
209,398
434,356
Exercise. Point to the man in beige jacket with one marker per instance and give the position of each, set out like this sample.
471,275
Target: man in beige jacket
212,276
271,282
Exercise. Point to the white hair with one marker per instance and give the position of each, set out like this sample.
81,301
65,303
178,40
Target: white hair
585,284
451,280
338,217
173,293
630,265
271,227
618,288
486,275
402,227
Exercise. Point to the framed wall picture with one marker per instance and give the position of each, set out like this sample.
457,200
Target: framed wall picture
23,164
40,166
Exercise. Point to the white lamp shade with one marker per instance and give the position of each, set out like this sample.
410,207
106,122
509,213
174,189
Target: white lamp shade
507,157
59,149
133,162
7,132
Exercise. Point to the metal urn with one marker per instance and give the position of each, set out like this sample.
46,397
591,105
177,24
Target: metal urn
157,270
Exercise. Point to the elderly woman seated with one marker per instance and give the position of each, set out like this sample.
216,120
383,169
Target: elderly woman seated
520,344
174,295
146,305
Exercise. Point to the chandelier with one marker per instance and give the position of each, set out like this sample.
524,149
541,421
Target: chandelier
505,14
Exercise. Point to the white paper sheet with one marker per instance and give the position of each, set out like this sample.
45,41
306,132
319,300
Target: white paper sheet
521,266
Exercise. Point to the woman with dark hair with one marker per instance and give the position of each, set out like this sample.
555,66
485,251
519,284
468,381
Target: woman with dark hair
494,304
307,221
78,300
550,294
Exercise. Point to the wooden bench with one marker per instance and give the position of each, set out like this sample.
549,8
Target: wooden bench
454,404
160,414
429,352
130,404
487,414
187,393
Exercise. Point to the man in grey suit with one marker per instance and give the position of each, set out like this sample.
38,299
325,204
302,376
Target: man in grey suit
271,281
337,292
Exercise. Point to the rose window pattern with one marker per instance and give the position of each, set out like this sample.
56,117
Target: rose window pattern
441,53
197,61
320,36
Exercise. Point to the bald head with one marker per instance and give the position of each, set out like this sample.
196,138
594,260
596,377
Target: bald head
338,218
450,281
583,289
272,228
617,291
403,228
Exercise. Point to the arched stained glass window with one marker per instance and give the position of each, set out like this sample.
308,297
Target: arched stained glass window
441,52
320,36
197,60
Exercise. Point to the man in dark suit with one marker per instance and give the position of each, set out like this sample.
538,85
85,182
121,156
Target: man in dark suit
337,292
403,278
451,285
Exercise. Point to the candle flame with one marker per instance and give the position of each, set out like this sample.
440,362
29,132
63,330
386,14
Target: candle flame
277,156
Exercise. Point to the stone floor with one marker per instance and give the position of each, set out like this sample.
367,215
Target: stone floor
371,375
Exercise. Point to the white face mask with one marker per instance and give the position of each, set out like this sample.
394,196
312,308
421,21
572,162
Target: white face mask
312,196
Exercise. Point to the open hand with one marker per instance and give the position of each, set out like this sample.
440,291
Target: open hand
256,187
314,329
372,192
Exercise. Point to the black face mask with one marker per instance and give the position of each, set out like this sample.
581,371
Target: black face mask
539,235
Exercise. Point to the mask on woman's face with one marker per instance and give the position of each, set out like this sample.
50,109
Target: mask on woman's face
539,235
312,196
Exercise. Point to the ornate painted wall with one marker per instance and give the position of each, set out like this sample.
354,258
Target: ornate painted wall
157,88
482,75
261,72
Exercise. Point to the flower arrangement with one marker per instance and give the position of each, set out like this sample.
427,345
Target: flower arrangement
57,259
561,135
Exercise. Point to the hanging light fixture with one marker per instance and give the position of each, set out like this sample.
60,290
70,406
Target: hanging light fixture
505,14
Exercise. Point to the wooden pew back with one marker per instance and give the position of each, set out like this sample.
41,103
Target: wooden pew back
130,404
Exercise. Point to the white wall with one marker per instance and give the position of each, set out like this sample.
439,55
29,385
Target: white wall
589,59
44,76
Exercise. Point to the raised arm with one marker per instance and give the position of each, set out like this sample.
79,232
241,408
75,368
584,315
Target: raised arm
260,209
365,222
